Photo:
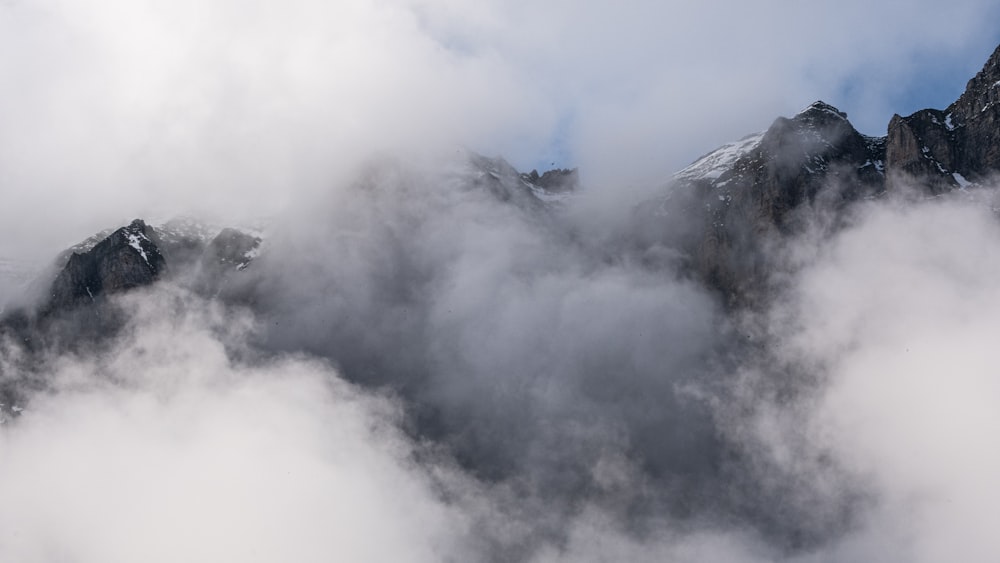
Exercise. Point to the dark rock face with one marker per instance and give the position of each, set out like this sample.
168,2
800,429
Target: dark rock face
976,120
740,195
126,259
733,202
137,255
942,150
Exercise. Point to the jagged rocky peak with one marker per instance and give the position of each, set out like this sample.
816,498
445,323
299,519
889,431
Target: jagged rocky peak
740,194
809,143
556,180
127,258
138,255
820,112
952,148
818,133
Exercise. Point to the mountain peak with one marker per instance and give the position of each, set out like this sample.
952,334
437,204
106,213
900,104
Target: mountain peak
819,108
125,259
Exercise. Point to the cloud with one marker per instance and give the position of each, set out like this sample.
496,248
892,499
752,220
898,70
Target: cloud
889,327
120,109
430,373
167,449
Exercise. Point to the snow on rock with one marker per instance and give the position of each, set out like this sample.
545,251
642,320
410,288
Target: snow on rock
714,164
134,242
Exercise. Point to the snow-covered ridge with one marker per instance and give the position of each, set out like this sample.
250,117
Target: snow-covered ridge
717,162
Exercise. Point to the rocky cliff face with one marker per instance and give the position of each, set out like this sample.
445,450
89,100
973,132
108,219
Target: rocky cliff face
739,195
953,148
126,259
138,255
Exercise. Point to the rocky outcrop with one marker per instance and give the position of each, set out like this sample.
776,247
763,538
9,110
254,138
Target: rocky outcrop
730,202
557,180
942,150
126,259
138,255
736,197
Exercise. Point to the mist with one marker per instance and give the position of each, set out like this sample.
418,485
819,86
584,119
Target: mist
424,364
428,372
115,110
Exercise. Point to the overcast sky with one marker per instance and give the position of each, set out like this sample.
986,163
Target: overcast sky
114,109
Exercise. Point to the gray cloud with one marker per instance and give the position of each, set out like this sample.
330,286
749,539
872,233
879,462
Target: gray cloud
430,373
899,310
166,449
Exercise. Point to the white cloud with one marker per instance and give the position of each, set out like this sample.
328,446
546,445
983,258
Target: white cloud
899,313
167,450
117,109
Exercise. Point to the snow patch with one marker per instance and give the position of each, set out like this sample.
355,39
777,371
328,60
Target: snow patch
717,162
134,242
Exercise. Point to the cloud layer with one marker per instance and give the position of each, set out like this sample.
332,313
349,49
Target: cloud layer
430,373
120,109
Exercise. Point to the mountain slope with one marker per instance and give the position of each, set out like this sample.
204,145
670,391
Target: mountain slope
745,196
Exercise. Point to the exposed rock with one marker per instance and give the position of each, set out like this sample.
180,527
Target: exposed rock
126,259
722,209
557,180
737,196
942,150
975,117
921,151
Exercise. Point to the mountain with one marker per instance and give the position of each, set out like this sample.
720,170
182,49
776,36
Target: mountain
750,194
950,148
125,259
718,213
568,366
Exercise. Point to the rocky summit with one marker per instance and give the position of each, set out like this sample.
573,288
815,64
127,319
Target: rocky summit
138,255
746,194
951,148
126,259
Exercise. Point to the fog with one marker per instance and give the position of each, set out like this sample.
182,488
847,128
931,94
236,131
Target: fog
430,373
423,364
121,109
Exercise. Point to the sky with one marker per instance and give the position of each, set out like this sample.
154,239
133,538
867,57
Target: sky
117,109
414,369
